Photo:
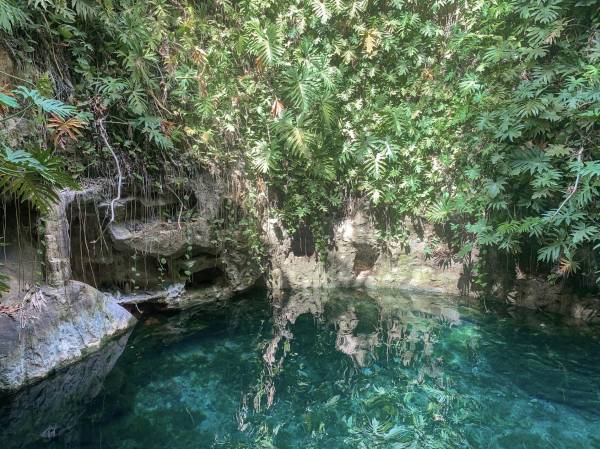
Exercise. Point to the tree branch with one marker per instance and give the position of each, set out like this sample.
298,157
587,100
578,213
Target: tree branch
573,188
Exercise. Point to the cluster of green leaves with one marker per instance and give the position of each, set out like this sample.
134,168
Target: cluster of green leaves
481,116
532,177
35,174
38,174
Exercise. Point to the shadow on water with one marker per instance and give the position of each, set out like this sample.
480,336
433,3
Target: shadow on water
325,369
52,408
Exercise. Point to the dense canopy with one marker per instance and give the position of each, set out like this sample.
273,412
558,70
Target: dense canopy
479,116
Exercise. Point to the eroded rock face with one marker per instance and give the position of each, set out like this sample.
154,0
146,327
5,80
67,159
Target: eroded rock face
161,248
538,294
54,327
357,260
44,328
57,236
198,271
162,239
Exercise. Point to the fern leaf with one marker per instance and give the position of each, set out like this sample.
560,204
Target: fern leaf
584,233
11,16
84,9
371,43
263,157
328,111
34,177
550,253
296,135
300,87
531,160
376,164
47,105
321,10
440,211
137,101
152,128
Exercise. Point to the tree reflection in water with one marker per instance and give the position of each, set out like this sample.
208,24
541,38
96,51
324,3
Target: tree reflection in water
412,404
328,369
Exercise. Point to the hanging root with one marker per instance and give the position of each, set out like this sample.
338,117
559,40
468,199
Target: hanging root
180,207
104,137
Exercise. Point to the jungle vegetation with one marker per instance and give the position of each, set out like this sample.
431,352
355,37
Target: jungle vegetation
478,116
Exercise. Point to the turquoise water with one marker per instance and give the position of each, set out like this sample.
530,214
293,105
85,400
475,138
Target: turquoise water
344,369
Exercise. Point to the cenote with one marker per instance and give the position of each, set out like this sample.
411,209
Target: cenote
325,369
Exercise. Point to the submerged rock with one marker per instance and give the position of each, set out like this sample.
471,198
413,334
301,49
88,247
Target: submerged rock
53,327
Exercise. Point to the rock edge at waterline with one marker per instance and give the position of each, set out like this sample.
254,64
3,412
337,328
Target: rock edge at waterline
54,327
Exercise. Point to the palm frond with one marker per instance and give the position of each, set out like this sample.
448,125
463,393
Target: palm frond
11,16
301,87
264,42
296,134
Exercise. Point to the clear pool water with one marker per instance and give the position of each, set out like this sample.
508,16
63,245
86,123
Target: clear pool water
340,369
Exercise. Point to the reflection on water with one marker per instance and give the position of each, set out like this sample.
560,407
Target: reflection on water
338,369
52,409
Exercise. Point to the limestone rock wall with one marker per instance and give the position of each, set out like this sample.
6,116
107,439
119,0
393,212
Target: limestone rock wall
54,327
57,236
161,249
358,260
538,294
44,327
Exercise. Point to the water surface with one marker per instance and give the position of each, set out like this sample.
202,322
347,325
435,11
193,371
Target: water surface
340,369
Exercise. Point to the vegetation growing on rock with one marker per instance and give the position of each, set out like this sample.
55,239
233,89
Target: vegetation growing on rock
479,116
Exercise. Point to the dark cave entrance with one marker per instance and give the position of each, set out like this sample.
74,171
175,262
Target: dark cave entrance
205,278
365,258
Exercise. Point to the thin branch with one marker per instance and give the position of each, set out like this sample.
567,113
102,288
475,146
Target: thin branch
22,111
120,175
16,77
573,188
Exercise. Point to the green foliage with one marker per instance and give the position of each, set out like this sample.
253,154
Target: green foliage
11,16
264,41
46,105
480,116
33,177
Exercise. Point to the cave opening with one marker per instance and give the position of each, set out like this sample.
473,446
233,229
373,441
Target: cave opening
205,278
365,258
303,242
